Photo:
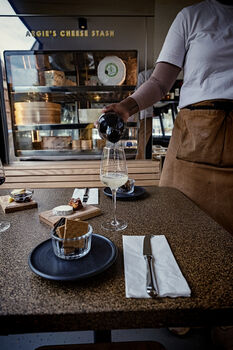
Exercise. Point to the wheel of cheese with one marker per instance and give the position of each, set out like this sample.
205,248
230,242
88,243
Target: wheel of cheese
63,210
111,71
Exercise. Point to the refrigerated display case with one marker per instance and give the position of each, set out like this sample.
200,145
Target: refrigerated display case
56,96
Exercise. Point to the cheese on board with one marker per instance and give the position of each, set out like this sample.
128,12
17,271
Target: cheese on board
63,210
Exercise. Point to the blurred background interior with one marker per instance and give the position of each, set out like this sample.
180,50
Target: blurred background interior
53,86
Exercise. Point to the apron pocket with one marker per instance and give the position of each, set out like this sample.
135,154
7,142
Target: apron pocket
206,137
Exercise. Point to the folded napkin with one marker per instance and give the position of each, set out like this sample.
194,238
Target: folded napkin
171,282
93,195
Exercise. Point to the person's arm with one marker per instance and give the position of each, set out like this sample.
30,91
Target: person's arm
159,83
169,64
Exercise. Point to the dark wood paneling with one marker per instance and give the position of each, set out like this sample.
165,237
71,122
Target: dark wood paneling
85,7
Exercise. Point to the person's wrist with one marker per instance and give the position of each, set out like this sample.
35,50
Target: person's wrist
130,105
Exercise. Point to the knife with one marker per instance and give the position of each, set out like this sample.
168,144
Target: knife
151,283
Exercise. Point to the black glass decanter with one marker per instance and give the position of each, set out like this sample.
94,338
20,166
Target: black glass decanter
111,126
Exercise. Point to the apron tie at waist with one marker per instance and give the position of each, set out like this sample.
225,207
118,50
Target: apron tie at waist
214,105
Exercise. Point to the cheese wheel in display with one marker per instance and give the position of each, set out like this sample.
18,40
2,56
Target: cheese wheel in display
111,71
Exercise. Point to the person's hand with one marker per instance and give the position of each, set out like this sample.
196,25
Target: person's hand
124,109
118,108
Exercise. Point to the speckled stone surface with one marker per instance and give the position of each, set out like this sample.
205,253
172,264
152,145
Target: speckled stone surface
203,250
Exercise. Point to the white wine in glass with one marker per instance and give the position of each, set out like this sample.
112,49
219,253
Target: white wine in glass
4,225
114,173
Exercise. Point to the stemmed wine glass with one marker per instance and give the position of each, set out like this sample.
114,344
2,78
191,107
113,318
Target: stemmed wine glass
113,173
4,225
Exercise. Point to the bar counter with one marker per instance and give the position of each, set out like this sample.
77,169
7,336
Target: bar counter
203,250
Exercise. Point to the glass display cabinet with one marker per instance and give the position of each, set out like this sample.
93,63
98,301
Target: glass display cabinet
56,96
163,121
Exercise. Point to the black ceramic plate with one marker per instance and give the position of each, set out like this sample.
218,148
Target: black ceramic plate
45,263
138,192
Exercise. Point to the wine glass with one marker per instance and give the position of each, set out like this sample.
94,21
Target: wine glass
113,173
4,225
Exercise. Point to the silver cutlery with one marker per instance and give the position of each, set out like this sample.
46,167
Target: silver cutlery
86,195
151,283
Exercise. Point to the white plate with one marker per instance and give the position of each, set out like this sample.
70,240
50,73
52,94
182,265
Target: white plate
111,71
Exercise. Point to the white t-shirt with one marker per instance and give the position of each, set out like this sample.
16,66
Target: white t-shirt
200,41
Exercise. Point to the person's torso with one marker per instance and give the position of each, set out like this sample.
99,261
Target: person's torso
208,64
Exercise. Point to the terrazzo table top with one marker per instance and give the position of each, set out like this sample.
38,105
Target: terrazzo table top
203,250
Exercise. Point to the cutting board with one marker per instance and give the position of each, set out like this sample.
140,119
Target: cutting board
14,206
87,212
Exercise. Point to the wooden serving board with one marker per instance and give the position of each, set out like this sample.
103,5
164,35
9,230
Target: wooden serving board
14,206
87,212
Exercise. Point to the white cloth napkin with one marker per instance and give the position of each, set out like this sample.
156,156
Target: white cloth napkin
93,195
171,282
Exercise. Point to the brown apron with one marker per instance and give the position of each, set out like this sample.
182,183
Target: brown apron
199,160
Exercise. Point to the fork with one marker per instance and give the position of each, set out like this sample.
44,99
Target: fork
86,195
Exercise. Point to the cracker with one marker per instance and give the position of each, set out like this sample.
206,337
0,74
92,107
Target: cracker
68,250
72,245
61,231
75,228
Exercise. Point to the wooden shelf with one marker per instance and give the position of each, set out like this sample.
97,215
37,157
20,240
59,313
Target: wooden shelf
71,89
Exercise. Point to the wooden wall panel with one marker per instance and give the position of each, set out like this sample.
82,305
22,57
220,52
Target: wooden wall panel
91,7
